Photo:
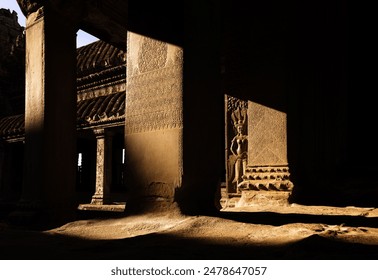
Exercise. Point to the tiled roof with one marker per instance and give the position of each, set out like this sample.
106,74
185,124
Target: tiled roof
97,62
98,56
101,109
12,126
90,112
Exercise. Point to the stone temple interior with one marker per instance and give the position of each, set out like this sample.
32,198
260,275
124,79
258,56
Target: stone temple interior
196,106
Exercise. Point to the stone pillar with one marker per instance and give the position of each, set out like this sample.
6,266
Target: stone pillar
103,167
267,177
50,114
153,126
174,114
203,110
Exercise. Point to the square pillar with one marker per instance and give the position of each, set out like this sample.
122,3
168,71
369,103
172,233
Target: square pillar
103,167
174,112
266,178
153,123
50,115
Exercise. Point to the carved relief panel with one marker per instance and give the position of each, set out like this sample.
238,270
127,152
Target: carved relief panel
256,152
154,86
236,142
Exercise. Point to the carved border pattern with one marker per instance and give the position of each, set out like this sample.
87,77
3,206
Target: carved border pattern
154,100
267,178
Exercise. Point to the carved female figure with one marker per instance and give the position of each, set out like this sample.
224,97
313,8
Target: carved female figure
239,146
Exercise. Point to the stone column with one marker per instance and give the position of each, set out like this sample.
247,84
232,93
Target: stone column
174,112
50,114
103,167
153,126
267,179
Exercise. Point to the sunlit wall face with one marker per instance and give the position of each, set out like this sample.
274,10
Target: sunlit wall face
267,137
153,122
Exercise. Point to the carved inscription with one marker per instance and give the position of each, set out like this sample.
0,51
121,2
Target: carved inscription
154,100
154,85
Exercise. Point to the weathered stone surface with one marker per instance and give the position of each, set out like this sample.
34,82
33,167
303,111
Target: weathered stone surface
267,136
154,86
103,166
267,178
263,198
50,115
153,118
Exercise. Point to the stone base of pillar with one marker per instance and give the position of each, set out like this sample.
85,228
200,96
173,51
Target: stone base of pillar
267,178
152,205
119,207
263,198
259,199
99,199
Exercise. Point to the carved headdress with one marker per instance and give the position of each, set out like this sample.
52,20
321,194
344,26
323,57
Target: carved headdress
239,117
